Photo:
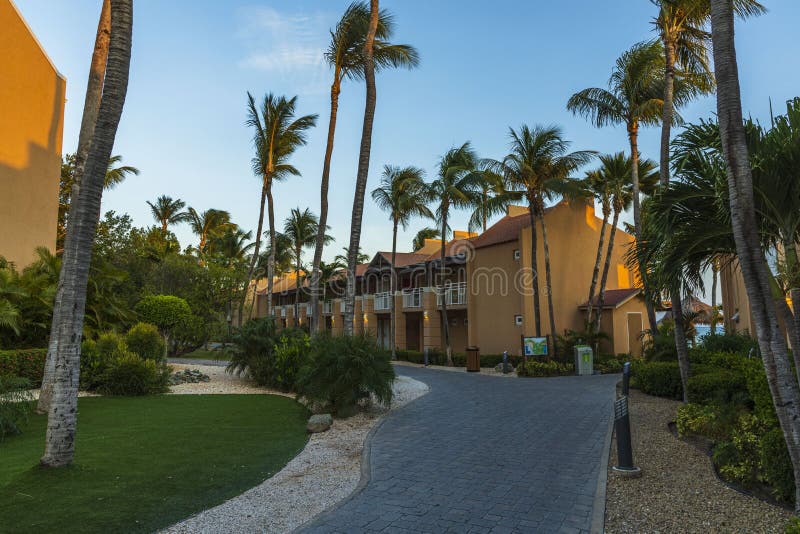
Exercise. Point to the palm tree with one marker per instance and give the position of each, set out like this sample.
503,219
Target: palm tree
403,194
116,174
301,230
360,257
456,186
598,187
167,211
535,170
634,98
422,235
70,303
680,25
10,293
232,246
363,167
345,54
208,225
491,201
277,134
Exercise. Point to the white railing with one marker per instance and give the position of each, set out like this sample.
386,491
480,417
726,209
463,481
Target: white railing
327,307
383,301
309,309
283,311
455,293
412,298
341,306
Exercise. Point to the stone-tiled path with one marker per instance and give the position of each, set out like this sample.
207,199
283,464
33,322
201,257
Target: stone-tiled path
484,454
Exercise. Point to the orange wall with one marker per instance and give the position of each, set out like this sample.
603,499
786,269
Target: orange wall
31,126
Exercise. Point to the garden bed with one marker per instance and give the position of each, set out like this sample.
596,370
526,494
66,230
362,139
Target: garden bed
678,490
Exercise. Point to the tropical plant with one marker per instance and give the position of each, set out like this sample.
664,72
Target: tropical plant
363,167
491,201
167,312
345,54
208,225
537,168
456,186
71,297
403,194
167,211
422,235
276,136
301,230
596,186
361,257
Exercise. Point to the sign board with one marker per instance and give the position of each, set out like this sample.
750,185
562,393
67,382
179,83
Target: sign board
534,346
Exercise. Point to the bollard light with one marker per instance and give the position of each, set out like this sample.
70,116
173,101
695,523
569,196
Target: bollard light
626,378
622,426
426,356
505,362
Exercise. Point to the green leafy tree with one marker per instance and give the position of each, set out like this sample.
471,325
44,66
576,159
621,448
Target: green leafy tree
167,312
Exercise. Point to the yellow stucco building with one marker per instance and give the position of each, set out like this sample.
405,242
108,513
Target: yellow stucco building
32,97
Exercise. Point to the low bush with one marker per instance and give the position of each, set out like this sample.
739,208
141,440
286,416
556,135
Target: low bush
93,365
24,363
611,363
110,343
254,341
192,333
290,355
738,458
15,403
145,340
130,375
436,357
343,370
715,422
731,343
662,379
719,386
545,368
660,347
775,465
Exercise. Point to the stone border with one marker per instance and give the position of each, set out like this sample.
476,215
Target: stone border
599,506
366,467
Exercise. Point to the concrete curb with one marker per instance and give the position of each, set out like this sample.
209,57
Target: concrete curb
366,469
599,506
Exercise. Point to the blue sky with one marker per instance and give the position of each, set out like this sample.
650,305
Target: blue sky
484,67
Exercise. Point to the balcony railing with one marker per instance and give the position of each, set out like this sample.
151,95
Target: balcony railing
455,294
283,311
412,298
341,306
327,307
383,301
309,309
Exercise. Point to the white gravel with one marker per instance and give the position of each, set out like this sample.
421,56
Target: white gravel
324,473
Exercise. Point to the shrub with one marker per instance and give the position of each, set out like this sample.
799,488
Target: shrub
93,365
291,353
545,368
129,375
24,363
145,340
731,343
110,343
193,333
662,379
660,347
342,370
758,390
255,342
775,465
722,386
611,363
738,458
15,403
715,422
167,312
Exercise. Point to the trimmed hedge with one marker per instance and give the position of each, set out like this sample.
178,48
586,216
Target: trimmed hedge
662,379
24,363
436,357
719,386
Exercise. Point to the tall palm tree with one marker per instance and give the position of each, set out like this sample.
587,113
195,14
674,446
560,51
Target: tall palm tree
208,225
534,170
69,308
456,186
422,235
363,167
277,134
345,54
300,228
116,174
167,211
361,257
598,187
491,201
403,194
634,98
232,246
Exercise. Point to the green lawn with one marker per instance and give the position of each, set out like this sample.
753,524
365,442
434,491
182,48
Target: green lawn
202,354
144,463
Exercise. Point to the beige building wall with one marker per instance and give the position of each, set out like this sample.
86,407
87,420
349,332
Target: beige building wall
32,96
734,299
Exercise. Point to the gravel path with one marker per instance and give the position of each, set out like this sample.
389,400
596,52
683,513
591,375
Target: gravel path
221,383
678,490
324,473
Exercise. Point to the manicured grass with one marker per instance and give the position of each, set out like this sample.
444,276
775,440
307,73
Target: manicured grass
202,354
144,463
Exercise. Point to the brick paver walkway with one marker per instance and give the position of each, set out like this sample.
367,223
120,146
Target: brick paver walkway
484,454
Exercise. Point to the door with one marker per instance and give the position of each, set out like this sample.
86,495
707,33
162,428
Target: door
635,333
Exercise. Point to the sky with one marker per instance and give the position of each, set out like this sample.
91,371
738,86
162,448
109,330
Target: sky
484,67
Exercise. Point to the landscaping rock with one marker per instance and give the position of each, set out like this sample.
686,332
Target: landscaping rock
188,376
319,423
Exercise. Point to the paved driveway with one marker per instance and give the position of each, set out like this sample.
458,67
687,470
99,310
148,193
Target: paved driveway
484,454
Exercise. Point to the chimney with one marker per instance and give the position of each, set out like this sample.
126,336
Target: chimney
461,234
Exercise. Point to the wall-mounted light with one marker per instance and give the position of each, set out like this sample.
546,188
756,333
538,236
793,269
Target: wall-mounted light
365,318
425,315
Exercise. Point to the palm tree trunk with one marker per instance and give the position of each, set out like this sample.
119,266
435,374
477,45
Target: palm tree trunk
91,107
548,283
323,205
596,271
392,289
667,109
601,297
782,384
271,260
363,170
714,277
443,292
68,312
297,252
679,333
264,189
537,316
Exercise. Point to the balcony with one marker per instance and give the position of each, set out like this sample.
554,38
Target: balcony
412,298
341,306
383,301
309,309
455,294
327,307
282,310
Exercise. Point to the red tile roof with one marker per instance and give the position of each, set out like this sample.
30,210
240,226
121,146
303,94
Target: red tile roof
614,297
505,230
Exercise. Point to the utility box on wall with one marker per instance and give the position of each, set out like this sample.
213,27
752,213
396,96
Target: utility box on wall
584,360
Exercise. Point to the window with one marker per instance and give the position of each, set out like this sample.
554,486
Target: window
516,254
518,320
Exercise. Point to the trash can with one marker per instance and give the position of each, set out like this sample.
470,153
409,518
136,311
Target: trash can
584,362
473,360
